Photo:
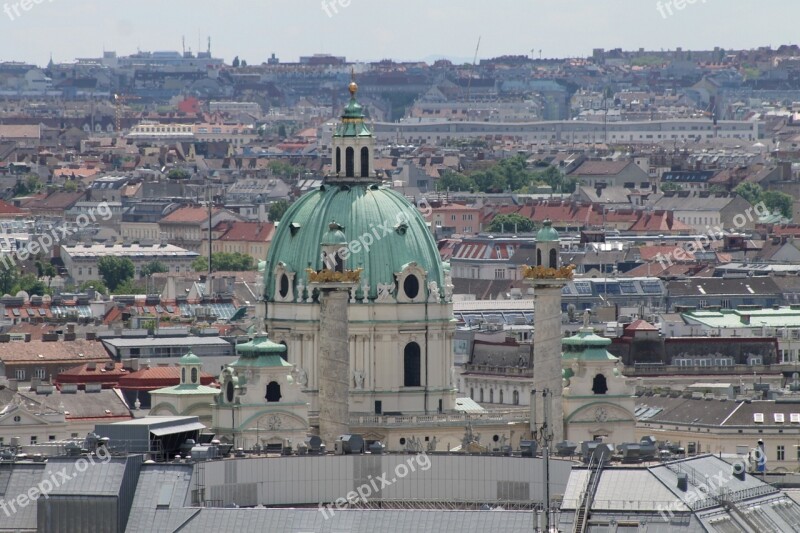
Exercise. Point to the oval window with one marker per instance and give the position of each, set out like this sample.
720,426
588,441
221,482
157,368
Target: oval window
284,286
229,392
411,287
194,375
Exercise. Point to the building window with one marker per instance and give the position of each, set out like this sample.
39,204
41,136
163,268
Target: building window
480,392
553,258
273,392
472,397
284,286
183,375
194,375
515,397
40,373
338,160
33,439
499,273
491,395
19,374
350,163
229,392
599,384
51,438
501,396
365,162
781,455
411,365
411,286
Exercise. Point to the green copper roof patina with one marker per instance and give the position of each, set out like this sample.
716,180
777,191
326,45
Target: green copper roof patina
260,346
547,233
353,124
586,346
190,359
335,236
384,229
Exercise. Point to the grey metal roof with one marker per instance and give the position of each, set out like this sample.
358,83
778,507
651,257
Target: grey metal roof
15,480
98,479
352,521
172,341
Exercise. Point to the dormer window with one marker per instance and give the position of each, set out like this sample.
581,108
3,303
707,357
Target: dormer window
410,284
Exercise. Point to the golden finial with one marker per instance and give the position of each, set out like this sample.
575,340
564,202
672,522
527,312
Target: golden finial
353,85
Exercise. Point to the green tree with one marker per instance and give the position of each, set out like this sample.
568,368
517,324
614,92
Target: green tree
224,261
178,174
511,223
282,131
70,186
717,189
30,284
669,186
277,210
282,169
779,202
8,279
455,182
115,271
95,284
749,191
129,287
153,267
29,185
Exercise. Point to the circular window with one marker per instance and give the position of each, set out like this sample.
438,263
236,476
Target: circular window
402,441
284,286
194,375
411,287
229,392
496,438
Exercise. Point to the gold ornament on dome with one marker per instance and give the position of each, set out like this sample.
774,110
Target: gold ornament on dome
540,272
332,276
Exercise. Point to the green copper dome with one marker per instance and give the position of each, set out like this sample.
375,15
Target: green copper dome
547,233
190,359
353,124
373,217
586,346
260,345
334,236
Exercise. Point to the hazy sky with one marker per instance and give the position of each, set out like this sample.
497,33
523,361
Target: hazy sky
377,29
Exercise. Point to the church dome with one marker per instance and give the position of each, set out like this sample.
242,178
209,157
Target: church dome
386,233
547,233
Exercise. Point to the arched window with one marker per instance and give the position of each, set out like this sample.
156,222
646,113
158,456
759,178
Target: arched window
481,394
515,397
599,384
338,160
491,395
273,392
350,163
285,355
553,258
501,396
229,392
412,375
538,257
365,162
183,375
194,375
472,393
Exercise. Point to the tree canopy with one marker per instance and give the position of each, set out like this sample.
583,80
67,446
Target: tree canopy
153,267
277,210
224,261
115,271
511,223
775,201
508,175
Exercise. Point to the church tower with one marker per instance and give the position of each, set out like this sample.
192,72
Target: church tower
547,279
598,400
353,144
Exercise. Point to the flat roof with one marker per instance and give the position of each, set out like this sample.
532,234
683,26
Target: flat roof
170,341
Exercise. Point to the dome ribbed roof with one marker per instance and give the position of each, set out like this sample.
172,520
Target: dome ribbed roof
391,226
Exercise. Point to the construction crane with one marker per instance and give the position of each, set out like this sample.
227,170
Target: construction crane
469,82
119,101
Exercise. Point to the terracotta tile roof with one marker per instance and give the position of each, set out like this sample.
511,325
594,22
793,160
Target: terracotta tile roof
247,231
188,215
157,377
23,352
601,168
58,200
7,209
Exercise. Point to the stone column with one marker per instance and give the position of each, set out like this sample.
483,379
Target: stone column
334,362
547,352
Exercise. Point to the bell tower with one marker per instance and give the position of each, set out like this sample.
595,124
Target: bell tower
353,144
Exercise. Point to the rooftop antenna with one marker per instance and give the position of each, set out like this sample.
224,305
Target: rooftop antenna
183,44
209,46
